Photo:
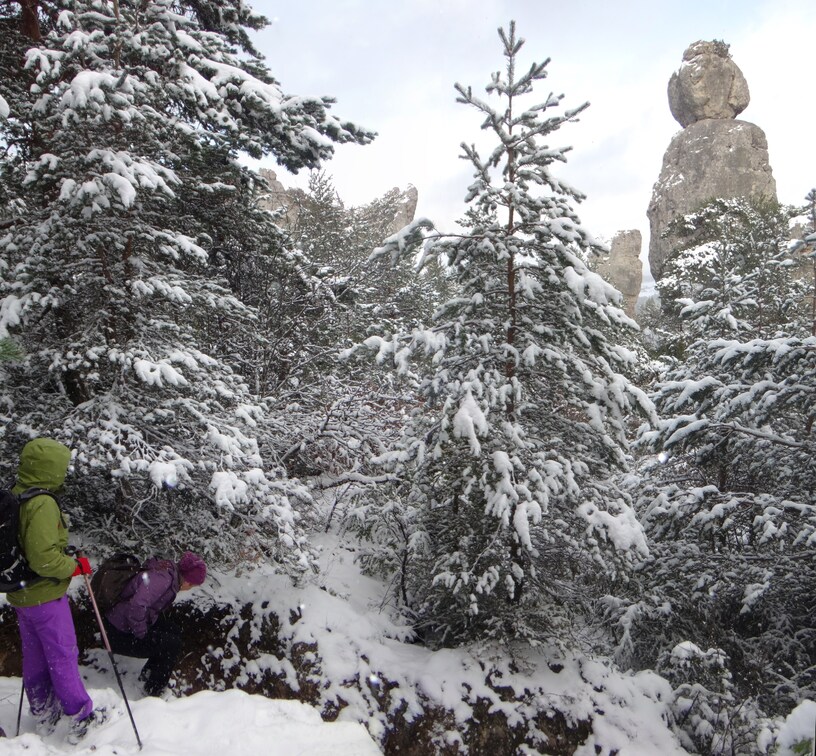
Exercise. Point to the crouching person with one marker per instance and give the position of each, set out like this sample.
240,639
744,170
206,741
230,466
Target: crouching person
136,625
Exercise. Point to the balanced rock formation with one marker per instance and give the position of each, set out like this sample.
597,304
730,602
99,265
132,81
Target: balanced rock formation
622,267
714,155
708,85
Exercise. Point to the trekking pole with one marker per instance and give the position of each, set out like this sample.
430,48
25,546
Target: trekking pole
110,654
20,707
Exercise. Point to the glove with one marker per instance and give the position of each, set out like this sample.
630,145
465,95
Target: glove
83,567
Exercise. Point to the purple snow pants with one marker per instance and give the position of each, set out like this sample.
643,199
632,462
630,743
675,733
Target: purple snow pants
50,660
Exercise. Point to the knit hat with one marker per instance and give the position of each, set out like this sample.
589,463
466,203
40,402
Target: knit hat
192,568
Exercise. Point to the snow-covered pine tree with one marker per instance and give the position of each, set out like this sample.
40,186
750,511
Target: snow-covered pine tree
733,273
507,511
728,504
743,300
807,248
120,171
337,241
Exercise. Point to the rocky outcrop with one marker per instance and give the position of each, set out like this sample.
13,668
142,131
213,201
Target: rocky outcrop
622,267
714,155
406,209
278,197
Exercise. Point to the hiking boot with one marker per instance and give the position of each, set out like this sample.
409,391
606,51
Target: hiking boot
80,727
47,721
151,686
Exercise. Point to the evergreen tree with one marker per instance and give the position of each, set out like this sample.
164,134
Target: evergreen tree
506,511
342,414
338,241
728,502
743,298
125,198
734,275
807,247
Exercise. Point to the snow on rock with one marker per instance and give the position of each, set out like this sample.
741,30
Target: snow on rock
203,724
357,637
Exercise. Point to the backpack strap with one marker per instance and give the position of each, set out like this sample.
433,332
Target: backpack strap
30,493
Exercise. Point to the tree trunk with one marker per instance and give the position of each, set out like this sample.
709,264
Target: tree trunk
30,21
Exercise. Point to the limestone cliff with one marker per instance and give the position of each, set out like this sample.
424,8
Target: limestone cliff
622,267
291,200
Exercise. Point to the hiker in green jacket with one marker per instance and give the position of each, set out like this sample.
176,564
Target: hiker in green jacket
50,654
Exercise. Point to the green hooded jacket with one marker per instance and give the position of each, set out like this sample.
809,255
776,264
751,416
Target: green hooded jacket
43,533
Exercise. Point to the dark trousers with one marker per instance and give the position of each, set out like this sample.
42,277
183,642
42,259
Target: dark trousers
161,647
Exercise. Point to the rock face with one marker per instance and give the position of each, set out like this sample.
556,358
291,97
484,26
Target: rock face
279,197
714,155
291,200
708,85
623,269
407,209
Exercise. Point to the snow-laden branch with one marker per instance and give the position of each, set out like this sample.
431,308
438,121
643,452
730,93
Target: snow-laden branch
406,240
764,435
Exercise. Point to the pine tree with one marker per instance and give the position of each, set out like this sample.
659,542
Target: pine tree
728,502
341,414
734,275
743,299
808,246
121,175
506,508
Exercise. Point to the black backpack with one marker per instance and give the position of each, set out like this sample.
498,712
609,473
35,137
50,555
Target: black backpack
111,577
14,569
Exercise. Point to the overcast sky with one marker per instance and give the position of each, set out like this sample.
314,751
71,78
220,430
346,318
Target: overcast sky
392,65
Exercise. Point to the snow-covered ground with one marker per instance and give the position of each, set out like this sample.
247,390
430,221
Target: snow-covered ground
359,639
204,724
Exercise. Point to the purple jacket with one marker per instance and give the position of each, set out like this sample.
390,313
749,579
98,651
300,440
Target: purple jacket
145,597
